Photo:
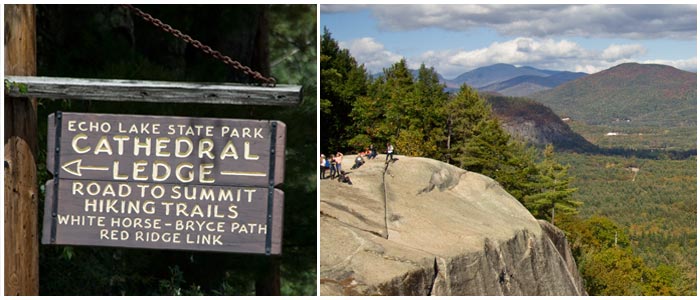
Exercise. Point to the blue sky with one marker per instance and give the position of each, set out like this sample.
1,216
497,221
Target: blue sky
457,38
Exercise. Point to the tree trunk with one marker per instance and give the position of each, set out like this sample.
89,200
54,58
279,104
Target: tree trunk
21,193
268,281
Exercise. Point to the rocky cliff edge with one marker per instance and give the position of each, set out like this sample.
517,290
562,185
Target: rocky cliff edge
423,227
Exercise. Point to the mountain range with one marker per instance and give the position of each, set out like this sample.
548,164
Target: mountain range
507,80
630,98
526,85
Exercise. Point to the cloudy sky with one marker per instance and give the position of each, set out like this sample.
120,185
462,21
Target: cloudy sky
457,38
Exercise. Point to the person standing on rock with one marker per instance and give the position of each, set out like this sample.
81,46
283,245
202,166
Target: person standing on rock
333,169
338,163
322,166
389,152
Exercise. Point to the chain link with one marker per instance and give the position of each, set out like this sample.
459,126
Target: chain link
269,81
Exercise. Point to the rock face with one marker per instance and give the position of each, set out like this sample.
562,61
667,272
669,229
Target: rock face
423,227
536,124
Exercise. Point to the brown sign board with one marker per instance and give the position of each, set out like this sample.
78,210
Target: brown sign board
166,149
165,182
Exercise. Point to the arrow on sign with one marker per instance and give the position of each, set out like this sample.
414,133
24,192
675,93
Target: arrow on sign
252,174
78,167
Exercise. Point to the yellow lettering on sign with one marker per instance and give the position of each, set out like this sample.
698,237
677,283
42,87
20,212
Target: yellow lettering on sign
178,147
205,147
140,167
74,143
103,146
120,143
161,144
184,178
157,176
229,151
139,145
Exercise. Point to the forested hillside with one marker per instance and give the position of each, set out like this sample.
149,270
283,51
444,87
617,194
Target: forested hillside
652,203
535,123
106,41
635,93
632,106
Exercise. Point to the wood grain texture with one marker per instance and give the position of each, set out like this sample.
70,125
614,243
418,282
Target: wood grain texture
77,163
81,233
155,91
119,125
21,228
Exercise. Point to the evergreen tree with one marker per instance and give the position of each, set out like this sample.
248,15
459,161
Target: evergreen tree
464,112
554,195
519,173
429,114
380,116
342,82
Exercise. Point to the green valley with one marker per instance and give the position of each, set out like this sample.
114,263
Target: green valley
652,201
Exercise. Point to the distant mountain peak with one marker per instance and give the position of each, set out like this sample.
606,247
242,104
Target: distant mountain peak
496,73
505,79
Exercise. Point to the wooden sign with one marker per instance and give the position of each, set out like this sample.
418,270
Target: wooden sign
165,182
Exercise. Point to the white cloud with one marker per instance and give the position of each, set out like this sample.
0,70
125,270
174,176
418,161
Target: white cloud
544,53
619,21
615,52
690,64
372,54
547,53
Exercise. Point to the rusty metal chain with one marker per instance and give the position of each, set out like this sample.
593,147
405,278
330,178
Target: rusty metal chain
268,81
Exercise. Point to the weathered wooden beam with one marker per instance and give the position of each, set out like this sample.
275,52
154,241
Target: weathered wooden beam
21,192
152,91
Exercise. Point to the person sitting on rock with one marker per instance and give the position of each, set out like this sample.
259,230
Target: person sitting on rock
372,152
359,161
344,178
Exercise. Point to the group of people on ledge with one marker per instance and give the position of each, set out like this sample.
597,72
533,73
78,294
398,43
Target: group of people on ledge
334,163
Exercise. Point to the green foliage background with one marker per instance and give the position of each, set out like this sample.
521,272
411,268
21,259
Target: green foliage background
105,41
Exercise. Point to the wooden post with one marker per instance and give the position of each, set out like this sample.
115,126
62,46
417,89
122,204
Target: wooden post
268,281
21,193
